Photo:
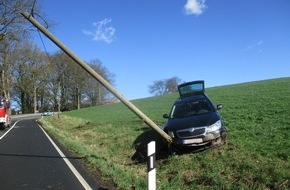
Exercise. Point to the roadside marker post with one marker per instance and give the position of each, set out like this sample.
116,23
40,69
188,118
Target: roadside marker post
151,165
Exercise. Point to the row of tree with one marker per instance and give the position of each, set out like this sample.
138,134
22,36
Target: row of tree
35,80
41,81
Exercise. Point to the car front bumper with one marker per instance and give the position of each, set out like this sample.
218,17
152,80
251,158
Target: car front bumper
198,141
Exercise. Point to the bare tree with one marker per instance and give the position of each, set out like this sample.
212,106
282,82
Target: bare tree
94,91
171,84
6,67
38,78
13,29
59,66
166,86
13,26
77,83
77,86
157,88
28,71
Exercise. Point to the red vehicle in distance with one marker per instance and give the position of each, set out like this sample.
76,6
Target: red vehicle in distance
4,113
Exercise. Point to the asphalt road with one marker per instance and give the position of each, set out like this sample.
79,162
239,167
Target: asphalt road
29,159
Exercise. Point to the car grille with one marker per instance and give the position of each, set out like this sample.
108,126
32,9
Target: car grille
190,132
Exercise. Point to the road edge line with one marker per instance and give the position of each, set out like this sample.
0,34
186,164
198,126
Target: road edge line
9,130
68,163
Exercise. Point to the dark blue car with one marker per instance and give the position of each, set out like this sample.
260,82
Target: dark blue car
194,120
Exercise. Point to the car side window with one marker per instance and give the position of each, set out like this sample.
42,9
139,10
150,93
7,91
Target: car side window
178,111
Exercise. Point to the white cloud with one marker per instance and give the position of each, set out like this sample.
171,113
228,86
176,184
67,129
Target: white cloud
101,31
195,7
256,46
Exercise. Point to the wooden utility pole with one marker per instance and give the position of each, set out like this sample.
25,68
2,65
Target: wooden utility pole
98,77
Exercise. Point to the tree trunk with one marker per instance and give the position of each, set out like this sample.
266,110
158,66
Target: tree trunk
34,100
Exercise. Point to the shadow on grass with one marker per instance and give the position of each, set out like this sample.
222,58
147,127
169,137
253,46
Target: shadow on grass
140,145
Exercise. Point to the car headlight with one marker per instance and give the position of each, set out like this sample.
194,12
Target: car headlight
216,126
171,134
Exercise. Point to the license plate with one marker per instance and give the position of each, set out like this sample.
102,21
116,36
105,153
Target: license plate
191,141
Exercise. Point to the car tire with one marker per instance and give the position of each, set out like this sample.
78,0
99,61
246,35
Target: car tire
2,126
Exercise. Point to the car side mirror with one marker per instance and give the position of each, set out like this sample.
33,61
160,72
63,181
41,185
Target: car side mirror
166,116
219,106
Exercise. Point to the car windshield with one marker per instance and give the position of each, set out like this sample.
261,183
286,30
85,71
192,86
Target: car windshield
190,108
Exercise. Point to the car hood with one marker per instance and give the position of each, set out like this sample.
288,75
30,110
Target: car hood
193,121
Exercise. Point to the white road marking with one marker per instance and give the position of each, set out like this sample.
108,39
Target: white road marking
9,130
68,163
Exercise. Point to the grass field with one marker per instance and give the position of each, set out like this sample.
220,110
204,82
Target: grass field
256,155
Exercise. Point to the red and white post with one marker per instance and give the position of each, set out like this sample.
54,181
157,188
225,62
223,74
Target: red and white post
151,165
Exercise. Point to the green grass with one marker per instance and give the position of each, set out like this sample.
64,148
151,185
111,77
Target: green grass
256,155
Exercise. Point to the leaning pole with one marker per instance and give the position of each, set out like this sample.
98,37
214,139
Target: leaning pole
98,77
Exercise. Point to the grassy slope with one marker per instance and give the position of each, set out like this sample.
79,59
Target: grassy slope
255,157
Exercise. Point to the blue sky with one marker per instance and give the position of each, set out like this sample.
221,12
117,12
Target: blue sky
220,41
